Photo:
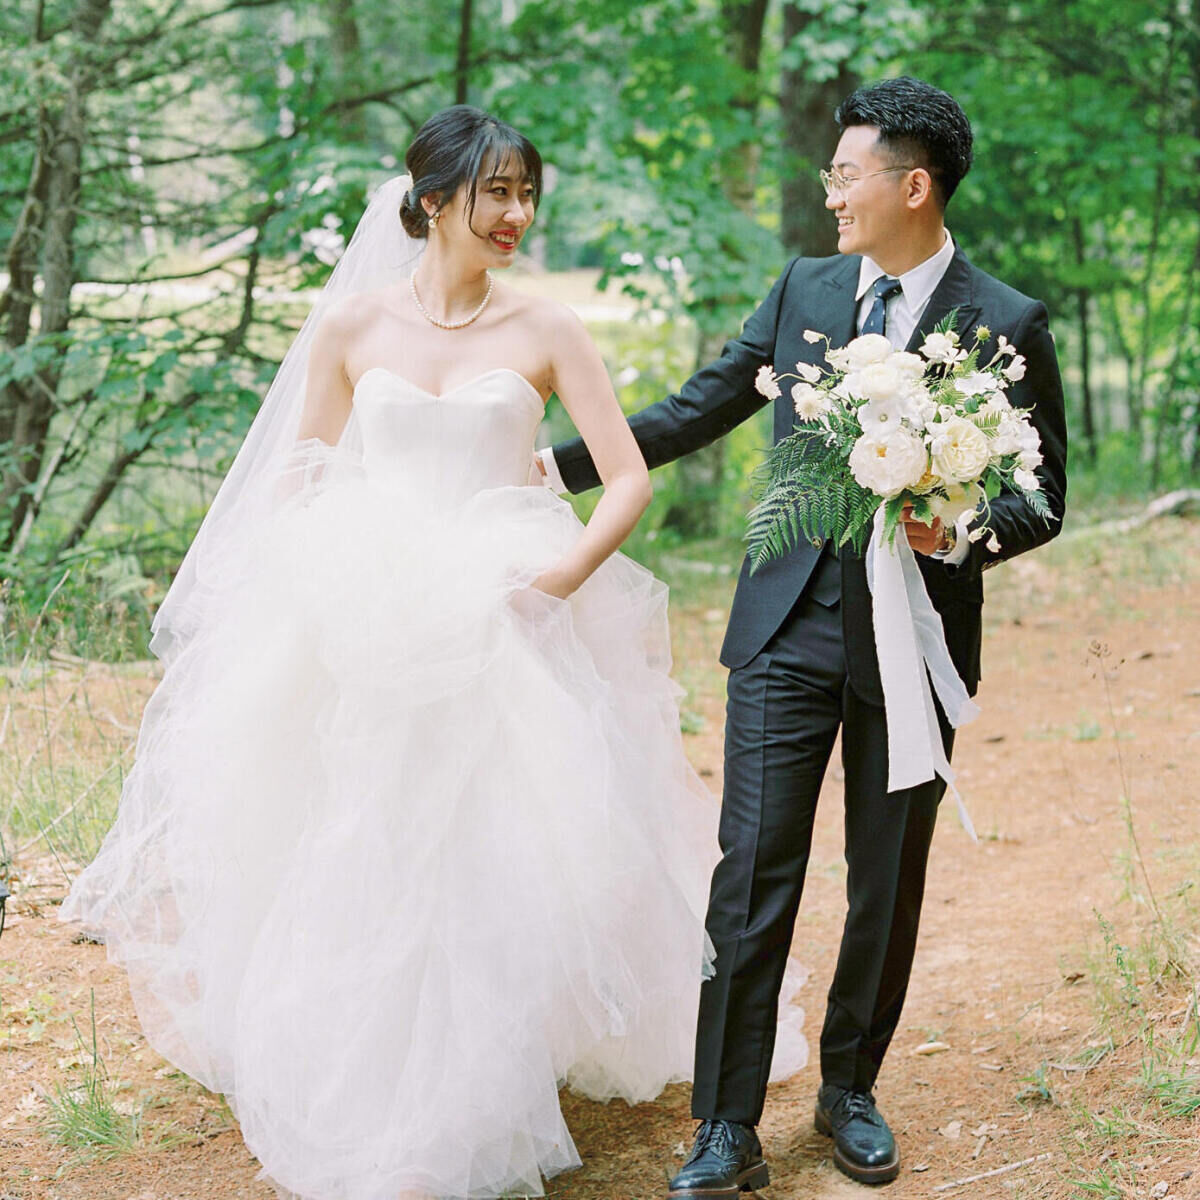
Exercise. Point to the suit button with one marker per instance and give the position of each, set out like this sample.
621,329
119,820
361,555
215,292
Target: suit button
817,543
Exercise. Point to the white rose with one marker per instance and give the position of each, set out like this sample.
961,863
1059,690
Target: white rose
943,348
809,372
959,499
886,466
959,450
1027,480
868,349
810,402
878,382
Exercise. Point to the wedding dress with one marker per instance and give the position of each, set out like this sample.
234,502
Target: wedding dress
407,845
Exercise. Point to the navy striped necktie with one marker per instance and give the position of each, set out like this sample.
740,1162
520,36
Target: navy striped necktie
884,288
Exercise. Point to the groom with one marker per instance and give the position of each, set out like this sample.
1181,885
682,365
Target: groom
800,645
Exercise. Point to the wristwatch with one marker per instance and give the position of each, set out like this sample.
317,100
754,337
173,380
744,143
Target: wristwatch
950,533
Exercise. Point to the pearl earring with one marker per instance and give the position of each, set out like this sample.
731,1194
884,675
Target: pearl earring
433,220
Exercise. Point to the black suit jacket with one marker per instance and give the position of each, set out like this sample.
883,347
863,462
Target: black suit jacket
818,294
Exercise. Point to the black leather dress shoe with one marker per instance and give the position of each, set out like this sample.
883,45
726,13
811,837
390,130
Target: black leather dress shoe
725,1160
863,1146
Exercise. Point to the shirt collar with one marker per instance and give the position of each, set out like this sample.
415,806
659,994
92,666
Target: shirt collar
918,284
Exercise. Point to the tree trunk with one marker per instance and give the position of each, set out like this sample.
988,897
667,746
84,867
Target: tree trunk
461,69
809,139
696,509
1083,301
47,225
347,60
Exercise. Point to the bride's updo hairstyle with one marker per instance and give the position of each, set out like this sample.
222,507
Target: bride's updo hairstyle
451,149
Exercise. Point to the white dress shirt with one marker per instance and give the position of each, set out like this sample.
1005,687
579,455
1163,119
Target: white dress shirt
904,311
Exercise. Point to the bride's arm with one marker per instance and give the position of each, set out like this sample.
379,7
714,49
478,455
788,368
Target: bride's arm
578,375
327,395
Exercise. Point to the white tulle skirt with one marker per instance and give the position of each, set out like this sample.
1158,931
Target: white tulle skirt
406,847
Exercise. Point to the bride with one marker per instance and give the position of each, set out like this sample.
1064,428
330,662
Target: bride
411,839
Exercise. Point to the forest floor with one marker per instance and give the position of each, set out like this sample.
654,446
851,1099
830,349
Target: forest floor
1055,978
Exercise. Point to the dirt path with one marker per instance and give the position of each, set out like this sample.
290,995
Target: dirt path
1091,675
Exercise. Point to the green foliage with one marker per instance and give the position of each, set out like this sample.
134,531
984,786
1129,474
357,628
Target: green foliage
807,492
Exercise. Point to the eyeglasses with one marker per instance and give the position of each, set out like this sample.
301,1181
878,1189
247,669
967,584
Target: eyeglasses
835,181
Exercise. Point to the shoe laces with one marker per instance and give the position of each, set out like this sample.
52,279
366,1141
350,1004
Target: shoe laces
859,1104
715,1134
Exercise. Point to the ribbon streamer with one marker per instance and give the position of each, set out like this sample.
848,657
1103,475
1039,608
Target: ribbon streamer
911,645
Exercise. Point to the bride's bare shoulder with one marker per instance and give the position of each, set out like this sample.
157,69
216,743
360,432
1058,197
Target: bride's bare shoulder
351,317
545,315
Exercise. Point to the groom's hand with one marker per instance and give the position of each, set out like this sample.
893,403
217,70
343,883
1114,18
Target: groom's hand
924,539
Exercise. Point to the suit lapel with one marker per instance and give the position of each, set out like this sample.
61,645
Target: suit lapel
954,291
840,307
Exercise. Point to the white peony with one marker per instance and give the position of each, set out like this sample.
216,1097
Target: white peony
886,466
943,348
868,349
810,402
809,372
959,449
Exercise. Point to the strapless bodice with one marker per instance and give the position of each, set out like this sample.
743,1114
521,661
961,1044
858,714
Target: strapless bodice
476,436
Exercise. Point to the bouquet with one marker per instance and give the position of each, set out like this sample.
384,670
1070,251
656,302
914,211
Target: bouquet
880,426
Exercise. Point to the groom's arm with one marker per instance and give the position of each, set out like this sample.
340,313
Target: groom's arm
715,399
1017,527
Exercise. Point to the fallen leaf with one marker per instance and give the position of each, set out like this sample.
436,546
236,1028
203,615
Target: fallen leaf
953,1131
931,1048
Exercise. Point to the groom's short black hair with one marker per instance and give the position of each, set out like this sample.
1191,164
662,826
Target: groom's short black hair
918,124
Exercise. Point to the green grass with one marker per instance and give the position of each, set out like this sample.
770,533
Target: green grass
87,1115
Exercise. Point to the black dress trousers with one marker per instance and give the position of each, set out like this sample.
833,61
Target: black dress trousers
784,710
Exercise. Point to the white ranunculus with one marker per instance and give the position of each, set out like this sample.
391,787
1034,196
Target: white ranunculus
868,349
809,372
1027,480
766,383
911,366
917,405
879,417
810,402
886,466
943,348
959,500
879,381
959,450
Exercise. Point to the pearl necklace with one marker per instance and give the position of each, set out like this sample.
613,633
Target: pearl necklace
412,287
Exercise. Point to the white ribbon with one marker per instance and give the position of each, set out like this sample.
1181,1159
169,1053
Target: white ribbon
911,645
